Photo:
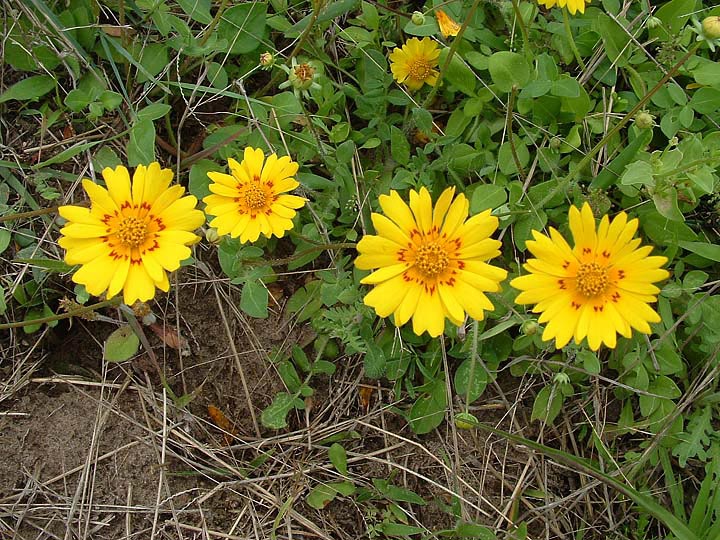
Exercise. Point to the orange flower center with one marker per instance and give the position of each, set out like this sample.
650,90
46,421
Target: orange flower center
420,69
132,231
255,197
304,72
592,279
431,260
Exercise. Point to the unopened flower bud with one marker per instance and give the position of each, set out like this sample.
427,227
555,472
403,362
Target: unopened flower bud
529,327
267,59
418,18
212,236
711,27
644,120
653,22
465,420
555,143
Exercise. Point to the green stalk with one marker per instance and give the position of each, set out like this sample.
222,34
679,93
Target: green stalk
73,313
571,39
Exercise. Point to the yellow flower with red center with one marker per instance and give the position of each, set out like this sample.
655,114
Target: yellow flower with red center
132,234
251,200
573,6
430,263
448,27
415,63
597,289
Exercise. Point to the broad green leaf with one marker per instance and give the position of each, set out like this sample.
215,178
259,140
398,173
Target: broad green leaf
638,173
463,383
141,147
29,89
243,26
275,415
706,251
486,196
428,410
323,494
52,265
153,111
547,405
509,69
199,182
706,100
198,10
5,236
121,345
338,457
399,146
399,529
615,38
254,299
458,73
673,15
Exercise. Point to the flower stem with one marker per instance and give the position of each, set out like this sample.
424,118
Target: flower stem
523,30
30,214
73,313
571,40
453,48
213,23
473,356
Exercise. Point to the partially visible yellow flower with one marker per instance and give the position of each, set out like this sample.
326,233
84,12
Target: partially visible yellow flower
448,27
597,289
414,64
132,234
430,261
573,6
250,201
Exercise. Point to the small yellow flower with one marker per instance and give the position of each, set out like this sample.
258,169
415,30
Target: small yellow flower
430,261
573,6
250,201
597,289
132,234
414,64
448,27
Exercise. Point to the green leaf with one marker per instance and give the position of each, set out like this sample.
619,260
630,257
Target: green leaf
508,69
462,380
199,182
77,100
706,251
399,529
666,202
322,495
153,58
254,299
289,376
29,89
275,415
121,345
638,173
458,73
486,196
338,457
397,494
141,147
52,265
615,38
428,411
243,26
590,361
153,111
707,72
198,10
548,404
375,361
399,146
5,236
674,15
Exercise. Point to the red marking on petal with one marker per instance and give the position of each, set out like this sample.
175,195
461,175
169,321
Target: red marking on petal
461,265
561,282
565,265
621,274
586,251
575,305
125,204
598,308
606,254
145,205
615,297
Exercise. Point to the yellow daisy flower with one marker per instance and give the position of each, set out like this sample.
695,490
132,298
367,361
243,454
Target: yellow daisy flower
448,27
132,234
414,64
597,289
250,201
573,6
430,262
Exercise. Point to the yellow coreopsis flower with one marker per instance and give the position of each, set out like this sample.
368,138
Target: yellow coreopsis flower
430,262
414,64
250,201
573,6
597,289
132,234
448,27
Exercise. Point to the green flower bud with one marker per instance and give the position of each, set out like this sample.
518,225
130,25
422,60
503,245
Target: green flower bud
418,18
465,421
555,143
653,22
212,236
644,120
529,327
